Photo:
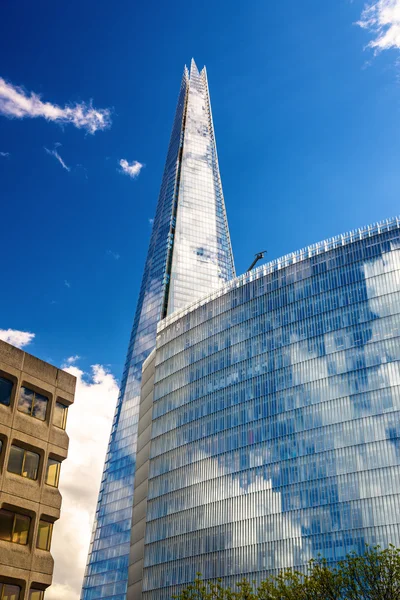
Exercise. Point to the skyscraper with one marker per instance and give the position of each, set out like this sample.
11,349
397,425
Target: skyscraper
269,428
189,255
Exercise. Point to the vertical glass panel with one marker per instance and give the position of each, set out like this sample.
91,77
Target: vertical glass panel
39,407
10,592
16,460
6,525
60,415
44,535
25,400
31,465
36,594
5,391
21,529
53,472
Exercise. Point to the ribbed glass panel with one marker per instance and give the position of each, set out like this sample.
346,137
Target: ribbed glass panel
106,574
276,417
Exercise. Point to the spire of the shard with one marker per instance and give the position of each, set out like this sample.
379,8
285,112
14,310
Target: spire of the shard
189,255
202,256
193,68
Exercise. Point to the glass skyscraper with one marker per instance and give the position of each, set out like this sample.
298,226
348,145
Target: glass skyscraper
189,255
275,424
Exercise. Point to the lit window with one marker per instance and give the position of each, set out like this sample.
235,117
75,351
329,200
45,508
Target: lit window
9,592
36,594
14,527
60,415
33,404
5,392
23,462
44,535
53,472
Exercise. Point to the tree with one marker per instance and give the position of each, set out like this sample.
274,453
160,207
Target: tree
375,575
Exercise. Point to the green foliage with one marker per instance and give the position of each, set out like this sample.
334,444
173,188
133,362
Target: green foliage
373,576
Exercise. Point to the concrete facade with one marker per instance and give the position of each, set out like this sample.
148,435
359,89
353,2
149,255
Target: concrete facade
141,480
26,565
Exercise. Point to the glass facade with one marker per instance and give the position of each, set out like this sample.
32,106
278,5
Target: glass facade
276,417
184,261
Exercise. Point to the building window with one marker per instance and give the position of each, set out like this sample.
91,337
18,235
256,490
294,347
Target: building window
33,404
60,415
23,462
6,387
35,594
9,592
14,527
44,535
53,472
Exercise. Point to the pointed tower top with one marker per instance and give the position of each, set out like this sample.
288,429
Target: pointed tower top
193,68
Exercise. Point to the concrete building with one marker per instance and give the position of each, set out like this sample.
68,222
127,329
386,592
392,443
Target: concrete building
34,401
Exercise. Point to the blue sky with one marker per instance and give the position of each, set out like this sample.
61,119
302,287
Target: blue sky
306,111
306,122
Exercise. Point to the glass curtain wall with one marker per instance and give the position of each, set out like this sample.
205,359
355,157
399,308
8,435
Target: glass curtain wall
106,574
276,417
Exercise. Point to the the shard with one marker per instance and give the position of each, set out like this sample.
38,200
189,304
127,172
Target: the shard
189,255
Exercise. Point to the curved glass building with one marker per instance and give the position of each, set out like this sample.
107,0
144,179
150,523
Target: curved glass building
275,427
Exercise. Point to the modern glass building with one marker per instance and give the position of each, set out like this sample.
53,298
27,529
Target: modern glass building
189,255
275,432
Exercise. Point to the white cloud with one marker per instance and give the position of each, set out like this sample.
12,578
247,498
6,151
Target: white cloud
132,169
382,19
57,156
72,359
88,427
15,102
5,154
67,283
114,255
16,337
151,221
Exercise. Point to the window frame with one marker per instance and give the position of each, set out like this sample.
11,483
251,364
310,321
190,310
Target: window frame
33,590
17,515
58,462
25,451
48,537
13,585
33,403
64,416
5,377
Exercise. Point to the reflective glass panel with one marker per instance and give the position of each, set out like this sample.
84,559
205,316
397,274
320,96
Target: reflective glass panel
44,535
23,462
6,525
39,407
5,391
60,415
9,592
53,472
26,400
36,594
31,465
33,403
16,460
21,529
